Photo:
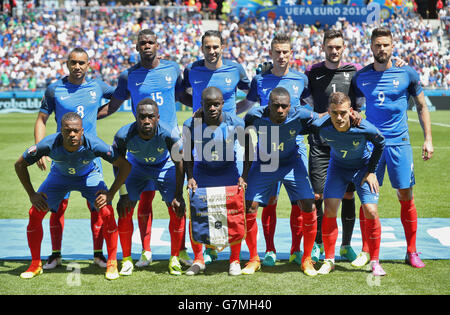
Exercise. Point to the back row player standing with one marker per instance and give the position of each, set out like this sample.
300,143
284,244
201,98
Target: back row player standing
224,74
386,89
160,80
326,77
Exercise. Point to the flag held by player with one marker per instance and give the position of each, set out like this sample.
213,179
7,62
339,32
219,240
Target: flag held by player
217,215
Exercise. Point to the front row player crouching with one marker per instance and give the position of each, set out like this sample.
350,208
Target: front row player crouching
352,160
73,154
278,160
219,130
151,145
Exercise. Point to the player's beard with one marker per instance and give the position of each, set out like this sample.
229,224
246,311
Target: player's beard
382,57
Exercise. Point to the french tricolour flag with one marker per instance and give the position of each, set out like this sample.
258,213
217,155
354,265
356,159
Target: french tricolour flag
217,215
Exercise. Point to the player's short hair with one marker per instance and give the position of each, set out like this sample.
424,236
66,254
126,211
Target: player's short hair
338,98
70,116
331,34
379,32
78,50
213,33
147,101
146,31
211,90
280,38
279,91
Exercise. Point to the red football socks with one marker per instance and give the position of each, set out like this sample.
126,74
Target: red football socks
177,228
252,233
362,225
408,216
57,225
296,222
196,248
126,229
110,231
97,230
373,235
269,222
145,218
309,232
35,233
329,236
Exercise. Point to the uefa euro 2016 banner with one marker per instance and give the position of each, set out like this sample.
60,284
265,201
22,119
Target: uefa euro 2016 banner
312,11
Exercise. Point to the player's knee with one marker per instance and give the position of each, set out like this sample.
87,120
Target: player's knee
405,194
318,196
307,205
370,211
273,200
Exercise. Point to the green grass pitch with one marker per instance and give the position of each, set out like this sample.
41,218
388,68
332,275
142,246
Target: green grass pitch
431,196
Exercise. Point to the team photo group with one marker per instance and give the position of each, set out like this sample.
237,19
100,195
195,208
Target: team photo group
249,148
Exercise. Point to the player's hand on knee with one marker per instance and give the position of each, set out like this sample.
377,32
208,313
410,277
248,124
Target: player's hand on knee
102,199
38,200
372,180
124,205
42,163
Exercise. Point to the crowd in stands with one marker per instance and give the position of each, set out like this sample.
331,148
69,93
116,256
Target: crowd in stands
34,47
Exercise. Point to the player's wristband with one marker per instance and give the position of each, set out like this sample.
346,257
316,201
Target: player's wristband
123,190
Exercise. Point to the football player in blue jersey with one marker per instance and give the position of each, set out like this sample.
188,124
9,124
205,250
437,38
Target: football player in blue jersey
72,93
150,145
352,160
260,88
219,131
74,168
386,90
160,80
278,160
214,70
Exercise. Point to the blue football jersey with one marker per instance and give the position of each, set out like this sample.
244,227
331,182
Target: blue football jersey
145,152
279,138
78,163
228,78
213,147
160,84
85,99
294,82
354,148
387,94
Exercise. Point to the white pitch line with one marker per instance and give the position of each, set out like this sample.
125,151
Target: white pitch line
436,124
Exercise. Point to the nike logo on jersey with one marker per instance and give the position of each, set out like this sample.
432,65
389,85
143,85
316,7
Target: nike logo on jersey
64,97
318,78
326,139
131,151
365,83
197,82
139,83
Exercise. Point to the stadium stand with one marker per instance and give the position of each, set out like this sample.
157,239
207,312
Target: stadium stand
34,46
